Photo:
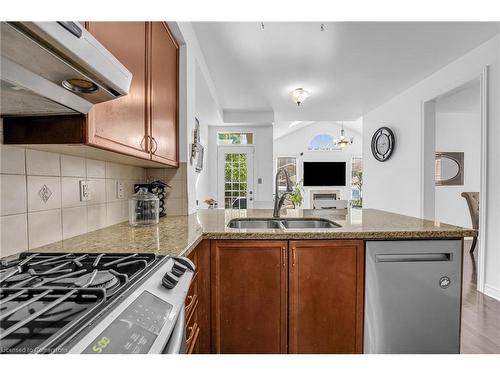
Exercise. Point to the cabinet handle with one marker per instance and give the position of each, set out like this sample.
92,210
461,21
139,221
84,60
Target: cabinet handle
293,257
284,256
192,330
155,145
190,304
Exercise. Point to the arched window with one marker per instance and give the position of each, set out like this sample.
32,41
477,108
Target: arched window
323,142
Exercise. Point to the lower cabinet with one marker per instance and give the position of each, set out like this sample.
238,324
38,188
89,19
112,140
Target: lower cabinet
197,303
249,296
326,296
271,296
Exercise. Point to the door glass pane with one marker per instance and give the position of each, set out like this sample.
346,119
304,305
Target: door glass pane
235,181
357,182
290,164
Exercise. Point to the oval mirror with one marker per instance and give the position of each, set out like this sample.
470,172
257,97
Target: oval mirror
449,168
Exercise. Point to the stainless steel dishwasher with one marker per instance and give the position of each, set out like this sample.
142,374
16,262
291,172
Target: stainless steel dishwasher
412,296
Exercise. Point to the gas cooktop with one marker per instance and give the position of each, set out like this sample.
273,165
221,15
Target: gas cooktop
47,297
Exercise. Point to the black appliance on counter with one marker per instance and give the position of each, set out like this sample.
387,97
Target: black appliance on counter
93,303
159,189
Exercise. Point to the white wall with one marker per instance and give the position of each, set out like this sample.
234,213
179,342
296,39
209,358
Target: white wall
297,142
192,68
263,162
458,131
395,185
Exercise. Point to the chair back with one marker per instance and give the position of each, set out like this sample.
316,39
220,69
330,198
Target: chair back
472,199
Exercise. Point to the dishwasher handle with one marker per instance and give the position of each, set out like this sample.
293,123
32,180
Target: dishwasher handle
413,257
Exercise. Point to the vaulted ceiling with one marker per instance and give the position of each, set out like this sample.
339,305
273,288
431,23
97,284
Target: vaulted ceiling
349,67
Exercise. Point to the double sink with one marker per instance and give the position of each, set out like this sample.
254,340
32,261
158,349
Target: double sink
285,223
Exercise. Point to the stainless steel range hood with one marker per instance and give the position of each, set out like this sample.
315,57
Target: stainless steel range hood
51,68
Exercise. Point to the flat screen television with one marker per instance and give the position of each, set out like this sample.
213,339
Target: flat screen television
324,173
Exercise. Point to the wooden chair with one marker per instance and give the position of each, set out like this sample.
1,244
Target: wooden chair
472,199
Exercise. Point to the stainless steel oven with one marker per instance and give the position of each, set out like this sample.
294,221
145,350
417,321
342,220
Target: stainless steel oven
94,303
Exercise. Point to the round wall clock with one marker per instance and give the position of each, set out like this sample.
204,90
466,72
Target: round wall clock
383,144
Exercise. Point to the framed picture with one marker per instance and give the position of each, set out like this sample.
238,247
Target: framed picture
197,150
199,158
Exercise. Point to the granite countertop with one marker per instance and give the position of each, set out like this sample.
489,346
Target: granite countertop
178,235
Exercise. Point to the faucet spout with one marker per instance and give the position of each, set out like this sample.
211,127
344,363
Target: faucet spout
280,200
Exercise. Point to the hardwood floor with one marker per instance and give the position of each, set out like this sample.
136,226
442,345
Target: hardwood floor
480,313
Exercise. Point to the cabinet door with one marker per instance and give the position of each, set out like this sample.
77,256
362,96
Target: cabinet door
120,124
249,296
326,296
164,94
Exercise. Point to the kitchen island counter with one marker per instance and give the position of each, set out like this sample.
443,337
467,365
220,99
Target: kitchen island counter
178,235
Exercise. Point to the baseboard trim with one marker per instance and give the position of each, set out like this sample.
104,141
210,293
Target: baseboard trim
492,292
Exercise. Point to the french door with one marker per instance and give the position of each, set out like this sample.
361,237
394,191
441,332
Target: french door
235,176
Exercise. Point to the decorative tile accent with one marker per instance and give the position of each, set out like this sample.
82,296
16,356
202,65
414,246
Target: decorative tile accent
39,197
45,193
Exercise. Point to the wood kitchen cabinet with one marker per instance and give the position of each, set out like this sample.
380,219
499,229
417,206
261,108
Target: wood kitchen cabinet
142,124
198,302
121,124
164,94
326,296
249,296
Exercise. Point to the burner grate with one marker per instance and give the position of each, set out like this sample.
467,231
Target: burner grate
46,297
31,315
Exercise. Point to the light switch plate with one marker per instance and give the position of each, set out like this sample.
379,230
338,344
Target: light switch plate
120,190
84,191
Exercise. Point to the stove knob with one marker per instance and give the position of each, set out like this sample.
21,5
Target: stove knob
178,269
169,280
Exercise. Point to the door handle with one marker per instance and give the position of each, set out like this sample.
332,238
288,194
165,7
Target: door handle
417,257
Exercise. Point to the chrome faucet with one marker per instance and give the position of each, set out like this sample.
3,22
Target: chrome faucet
278,201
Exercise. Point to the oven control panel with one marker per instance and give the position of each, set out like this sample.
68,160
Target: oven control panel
144,320
135,329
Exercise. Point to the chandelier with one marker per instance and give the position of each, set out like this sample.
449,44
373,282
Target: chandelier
343,141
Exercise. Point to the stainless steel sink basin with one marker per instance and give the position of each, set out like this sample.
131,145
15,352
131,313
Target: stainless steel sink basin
311,223
254,224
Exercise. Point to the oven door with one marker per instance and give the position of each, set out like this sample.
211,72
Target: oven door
177,341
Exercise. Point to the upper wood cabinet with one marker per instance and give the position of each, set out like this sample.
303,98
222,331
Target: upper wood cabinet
326,296
121,124
164,72
142,124
249,296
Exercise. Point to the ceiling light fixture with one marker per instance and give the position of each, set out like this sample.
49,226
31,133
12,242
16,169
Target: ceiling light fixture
299,95
343,141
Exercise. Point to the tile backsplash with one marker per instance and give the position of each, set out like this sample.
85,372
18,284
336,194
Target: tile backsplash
40,196
176,202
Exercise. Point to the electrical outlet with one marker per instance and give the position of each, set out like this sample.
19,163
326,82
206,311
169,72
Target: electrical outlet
84,191
120,190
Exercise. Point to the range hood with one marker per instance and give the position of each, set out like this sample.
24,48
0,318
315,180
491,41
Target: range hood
55,68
